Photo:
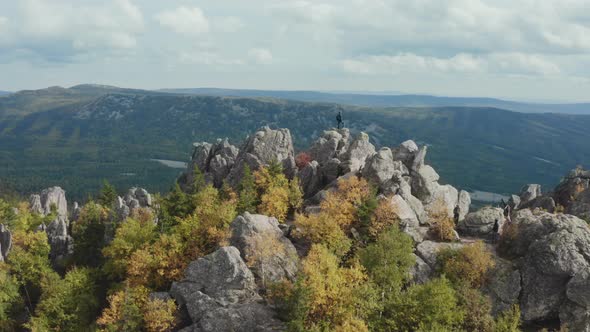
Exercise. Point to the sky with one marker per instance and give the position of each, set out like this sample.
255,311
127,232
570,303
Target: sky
517,49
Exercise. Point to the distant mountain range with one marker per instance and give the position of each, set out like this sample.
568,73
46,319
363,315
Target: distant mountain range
388,100
79,136
2,93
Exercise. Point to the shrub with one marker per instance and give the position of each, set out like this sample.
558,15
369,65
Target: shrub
432,306
302,159
468,264
477,309
509,320
389,259
442,224
383,218
328,296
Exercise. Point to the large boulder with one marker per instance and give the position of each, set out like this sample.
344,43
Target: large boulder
529,192
404,212
221,160
54,196
138,197
481,222
553,252
406,153
310,179
577,181
540,202
580,205
359,150
60,242
218,293
424,182
262,148
332,144
420,272
502,285
5,242
428,251
383,171
263,246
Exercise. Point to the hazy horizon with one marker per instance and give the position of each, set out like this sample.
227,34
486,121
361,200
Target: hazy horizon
517,50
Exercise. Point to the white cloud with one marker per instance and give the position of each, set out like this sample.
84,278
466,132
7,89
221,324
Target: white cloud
495,63
59,30
304,11
184,20
228,24
261,55
207,58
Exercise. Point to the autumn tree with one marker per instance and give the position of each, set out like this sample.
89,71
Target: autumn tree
432,306
327,296
130,236
131,309
67,304
10,299
468,264
338,213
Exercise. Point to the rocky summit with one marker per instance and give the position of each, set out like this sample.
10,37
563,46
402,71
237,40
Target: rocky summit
219,260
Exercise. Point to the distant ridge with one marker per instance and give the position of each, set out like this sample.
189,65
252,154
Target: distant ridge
390,100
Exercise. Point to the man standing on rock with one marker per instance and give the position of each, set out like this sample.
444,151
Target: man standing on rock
339,119
456,213
496,231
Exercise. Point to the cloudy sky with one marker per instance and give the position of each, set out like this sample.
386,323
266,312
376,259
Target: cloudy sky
520,49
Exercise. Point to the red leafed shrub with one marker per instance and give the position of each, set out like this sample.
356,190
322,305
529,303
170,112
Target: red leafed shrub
302,160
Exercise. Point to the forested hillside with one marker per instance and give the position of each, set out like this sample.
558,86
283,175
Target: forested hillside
78,141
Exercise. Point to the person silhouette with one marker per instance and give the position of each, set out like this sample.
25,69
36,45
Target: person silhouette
339,119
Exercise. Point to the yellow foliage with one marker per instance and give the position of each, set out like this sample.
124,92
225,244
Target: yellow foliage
124,310
277,193
331,289
159,315
143,215
442,225
157,265
383,218
338,212
468,264
352,325
275,202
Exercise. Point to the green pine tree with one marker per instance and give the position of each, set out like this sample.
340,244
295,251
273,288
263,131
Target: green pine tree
107,195
247,194
198,181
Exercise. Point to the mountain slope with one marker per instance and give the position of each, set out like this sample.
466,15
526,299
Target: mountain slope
115,136
374,100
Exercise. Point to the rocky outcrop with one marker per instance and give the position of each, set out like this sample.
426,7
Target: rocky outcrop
428,251
332,144
502,285
310,179
262,148
138,197
481,222
529,193
384,172
218,293
540,202
553,256
5,242
215,161
263,246
580,205
359,150
420,272
574,183
60,242
404,212
54,196
135,198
